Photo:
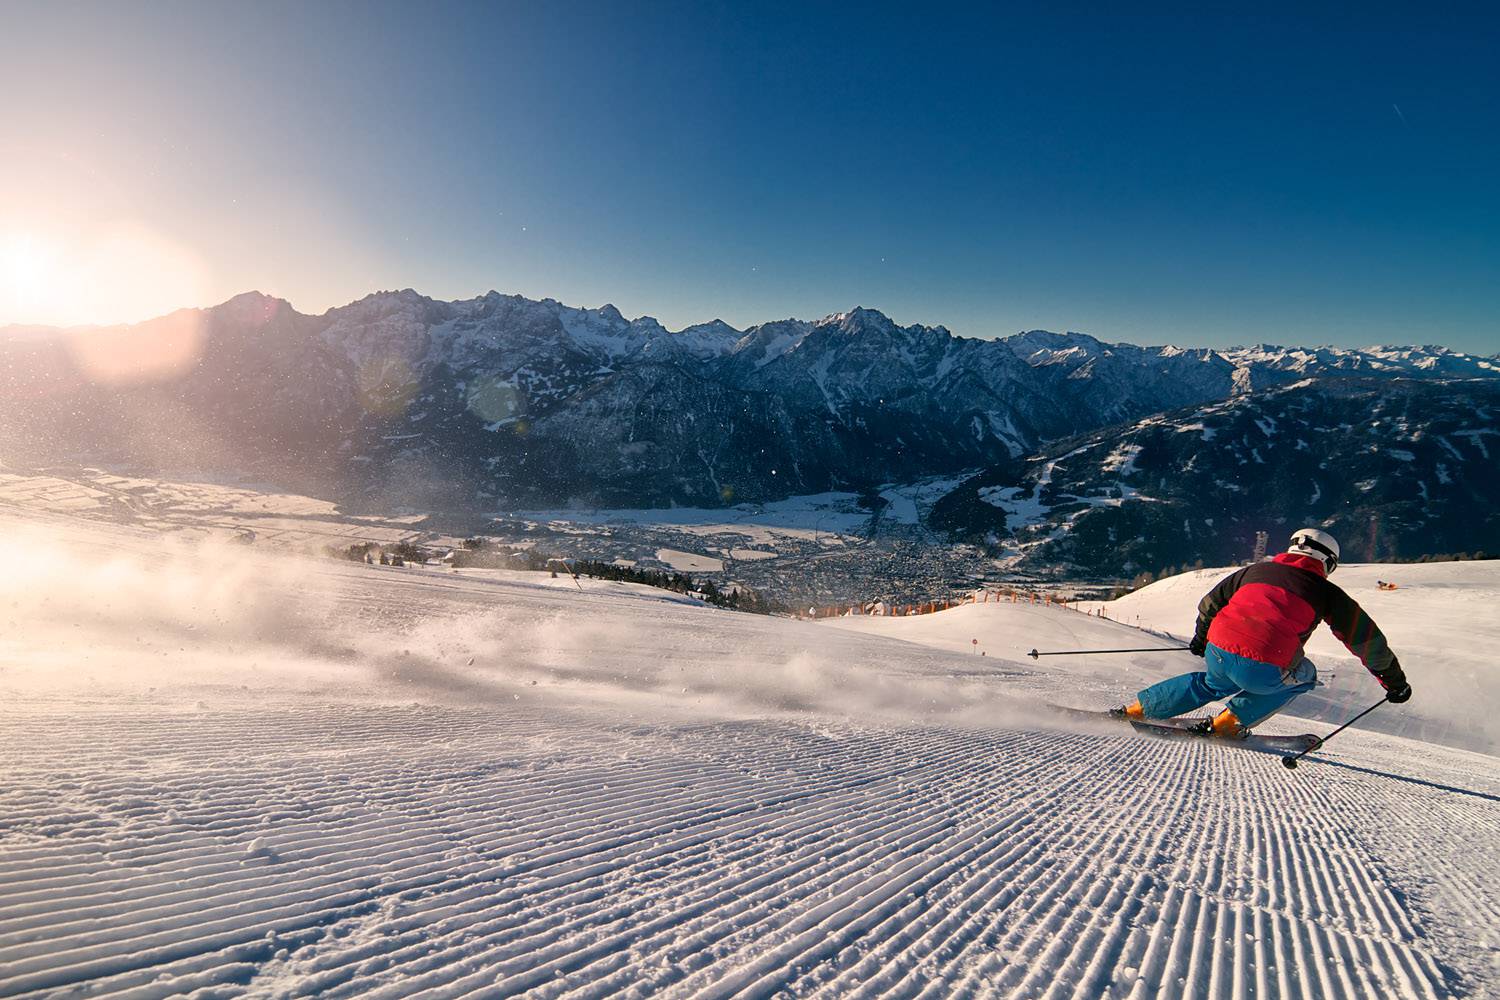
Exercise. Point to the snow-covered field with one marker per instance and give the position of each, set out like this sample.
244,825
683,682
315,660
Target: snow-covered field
813,517
806,517
689,562
223,774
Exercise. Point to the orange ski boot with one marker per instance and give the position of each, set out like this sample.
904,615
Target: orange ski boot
1227,725
1131,711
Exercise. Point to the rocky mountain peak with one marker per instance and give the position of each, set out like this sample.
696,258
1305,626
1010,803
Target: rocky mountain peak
522,400
253,310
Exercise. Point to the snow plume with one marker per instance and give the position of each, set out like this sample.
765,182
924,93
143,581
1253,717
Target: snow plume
825,683
142,613
131,618
632,655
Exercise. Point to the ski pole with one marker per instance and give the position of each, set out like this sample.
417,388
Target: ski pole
1291,759
1080,652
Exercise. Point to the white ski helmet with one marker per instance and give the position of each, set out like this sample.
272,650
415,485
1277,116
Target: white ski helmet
1320,545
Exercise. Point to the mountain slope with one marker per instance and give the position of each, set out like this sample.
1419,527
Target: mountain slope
1393,467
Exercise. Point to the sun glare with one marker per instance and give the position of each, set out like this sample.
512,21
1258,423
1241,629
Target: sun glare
26,273
122,274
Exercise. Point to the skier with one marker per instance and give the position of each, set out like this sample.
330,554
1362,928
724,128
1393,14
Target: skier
1251,630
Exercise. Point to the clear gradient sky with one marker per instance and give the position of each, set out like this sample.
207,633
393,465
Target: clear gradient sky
1326,177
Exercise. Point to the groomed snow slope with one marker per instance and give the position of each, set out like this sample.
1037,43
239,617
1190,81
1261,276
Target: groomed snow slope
222,775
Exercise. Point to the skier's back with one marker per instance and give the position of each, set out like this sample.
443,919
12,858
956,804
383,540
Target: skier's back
1251,631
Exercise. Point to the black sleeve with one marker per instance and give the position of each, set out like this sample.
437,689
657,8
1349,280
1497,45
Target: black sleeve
1360,634
1213,602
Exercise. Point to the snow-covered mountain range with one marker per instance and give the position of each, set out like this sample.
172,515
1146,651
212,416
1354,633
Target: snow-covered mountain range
1394,468
502,400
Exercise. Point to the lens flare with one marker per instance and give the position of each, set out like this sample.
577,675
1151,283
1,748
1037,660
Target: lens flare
157,351
494,401
386,386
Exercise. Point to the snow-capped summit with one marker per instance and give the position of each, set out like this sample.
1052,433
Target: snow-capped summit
860,320
766,342
1382,360
1039,347
713,339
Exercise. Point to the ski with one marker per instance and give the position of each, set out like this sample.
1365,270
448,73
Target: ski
1185,728
1255,741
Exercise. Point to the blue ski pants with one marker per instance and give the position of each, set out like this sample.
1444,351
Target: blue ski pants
1255,690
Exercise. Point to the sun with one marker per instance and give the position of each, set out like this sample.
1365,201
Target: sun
28,275
120,273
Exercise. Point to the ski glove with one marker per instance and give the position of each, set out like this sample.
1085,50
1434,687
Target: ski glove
1397,690
1198,645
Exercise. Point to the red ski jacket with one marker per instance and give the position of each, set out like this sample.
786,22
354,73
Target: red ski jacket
1267,610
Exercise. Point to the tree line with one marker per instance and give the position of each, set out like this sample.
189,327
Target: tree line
483,553
735,598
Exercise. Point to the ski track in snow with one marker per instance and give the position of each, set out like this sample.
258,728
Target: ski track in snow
443,852
284,843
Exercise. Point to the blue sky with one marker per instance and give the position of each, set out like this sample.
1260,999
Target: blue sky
1326,177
